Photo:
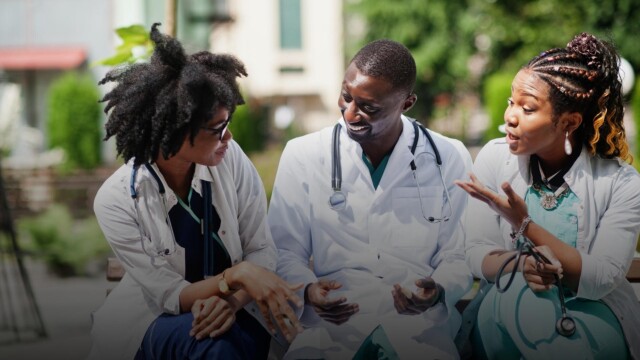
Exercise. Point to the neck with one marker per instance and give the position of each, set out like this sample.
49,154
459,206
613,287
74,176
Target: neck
177,174
377,149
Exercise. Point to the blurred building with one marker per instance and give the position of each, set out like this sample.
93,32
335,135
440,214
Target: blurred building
293,49
294,54
41,39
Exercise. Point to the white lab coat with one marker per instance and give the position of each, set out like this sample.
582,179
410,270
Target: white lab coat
152,287
379,239
608,225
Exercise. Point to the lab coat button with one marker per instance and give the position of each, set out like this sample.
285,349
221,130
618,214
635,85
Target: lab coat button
223,232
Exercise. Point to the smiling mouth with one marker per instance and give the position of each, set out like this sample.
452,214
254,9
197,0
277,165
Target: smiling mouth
356,127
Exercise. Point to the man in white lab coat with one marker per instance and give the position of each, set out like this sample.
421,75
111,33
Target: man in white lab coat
386,242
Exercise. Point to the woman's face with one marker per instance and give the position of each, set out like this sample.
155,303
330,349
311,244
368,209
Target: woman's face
530,124
208,147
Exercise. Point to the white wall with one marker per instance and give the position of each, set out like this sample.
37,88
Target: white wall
253,37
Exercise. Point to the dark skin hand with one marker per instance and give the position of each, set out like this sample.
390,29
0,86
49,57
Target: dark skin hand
334,310
410,303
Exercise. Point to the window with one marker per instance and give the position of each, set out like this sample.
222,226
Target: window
290,24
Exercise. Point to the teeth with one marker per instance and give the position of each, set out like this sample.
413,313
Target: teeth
356,128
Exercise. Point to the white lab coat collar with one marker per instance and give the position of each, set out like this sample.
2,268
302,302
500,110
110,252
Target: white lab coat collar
401,155
201,172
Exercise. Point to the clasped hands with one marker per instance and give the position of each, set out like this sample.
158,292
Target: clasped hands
337,311
274,297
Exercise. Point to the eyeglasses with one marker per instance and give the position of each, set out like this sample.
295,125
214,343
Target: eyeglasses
221,130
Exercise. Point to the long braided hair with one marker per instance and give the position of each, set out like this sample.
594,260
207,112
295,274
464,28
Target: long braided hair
584,78
155,105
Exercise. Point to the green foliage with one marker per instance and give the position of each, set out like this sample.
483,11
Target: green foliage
496,91
635,107
250,127
520,30
74,120
66,245
438,33
136,45
446,35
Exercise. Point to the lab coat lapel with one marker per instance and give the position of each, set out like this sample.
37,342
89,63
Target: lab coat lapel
400,158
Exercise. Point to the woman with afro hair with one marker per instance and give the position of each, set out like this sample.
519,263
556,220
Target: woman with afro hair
560,188
186,217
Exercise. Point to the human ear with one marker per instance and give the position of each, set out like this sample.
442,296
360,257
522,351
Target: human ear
409,102
571,121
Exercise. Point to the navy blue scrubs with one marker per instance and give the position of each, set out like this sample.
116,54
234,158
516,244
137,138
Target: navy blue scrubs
168,336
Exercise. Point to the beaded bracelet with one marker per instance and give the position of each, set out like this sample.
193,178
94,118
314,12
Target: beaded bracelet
516,235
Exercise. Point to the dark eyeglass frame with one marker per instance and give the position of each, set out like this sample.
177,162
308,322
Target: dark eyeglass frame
221,130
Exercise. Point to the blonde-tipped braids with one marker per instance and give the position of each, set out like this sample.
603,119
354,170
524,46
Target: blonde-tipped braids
584,78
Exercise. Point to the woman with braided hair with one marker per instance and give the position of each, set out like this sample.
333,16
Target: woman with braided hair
186,216
558,187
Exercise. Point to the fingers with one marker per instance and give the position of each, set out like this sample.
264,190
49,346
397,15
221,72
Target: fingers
508,190
426,283
292,296
218,319
402,302
284,316
338,314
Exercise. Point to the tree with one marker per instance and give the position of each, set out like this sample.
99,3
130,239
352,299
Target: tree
439,34
74,120
444,35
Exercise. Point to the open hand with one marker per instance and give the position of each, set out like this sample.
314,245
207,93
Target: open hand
511,207
410,303
335,311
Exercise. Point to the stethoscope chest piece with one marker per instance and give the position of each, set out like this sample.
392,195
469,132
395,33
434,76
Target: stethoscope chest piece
338,200
566,326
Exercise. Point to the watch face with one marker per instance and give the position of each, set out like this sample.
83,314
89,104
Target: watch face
223,286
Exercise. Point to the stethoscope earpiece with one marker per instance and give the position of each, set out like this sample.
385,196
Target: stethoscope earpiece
566,326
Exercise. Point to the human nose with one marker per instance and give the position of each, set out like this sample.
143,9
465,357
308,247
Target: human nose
509,118
350,113
226,134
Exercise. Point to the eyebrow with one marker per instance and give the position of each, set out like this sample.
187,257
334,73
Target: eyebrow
526,93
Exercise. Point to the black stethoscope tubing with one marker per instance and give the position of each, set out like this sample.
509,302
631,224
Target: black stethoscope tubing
205,224
338,200
566,325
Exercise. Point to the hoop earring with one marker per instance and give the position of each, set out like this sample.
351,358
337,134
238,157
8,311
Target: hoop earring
567,144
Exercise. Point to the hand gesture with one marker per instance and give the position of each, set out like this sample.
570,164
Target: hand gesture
272,295
511,208
409,303
211,317
539,275
335,311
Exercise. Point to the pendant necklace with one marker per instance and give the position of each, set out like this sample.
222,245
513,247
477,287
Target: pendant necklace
549,200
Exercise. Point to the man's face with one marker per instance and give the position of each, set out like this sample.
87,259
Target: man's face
371,107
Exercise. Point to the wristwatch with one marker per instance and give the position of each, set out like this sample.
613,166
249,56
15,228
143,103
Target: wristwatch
223,286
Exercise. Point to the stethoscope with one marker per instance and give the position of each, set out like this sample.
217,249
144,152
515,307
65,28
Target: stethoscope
158,249
338,200
566,325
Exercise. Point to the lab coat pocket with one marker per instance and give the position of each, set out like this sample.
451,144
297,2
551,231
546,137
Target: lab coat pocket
411,211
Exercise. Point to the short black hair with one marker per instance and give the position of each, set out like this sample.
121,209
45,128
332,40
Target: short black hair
154,105
389,60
